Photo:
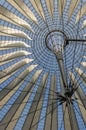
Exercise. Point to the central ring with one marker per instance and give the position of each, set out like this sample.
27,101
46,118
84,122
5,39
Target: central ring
55,40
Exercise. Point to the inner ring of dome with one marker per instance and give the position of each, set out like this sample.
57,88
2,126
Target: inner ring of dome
55,40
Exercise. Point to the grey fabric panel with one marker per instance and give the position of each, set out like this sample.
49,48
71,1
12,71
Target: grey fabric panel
13,84
30,117
6,120
79,90
51,119
69,113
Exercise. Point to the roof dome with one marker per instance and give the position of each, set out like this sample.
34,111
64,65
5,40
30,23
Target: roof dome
43,65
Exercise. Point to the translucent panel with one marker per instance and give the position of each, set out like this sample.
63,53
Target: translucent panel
73,5
10,44
20,5
61,5
50,6
12,32
84,23
10,17
37,5
81,12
